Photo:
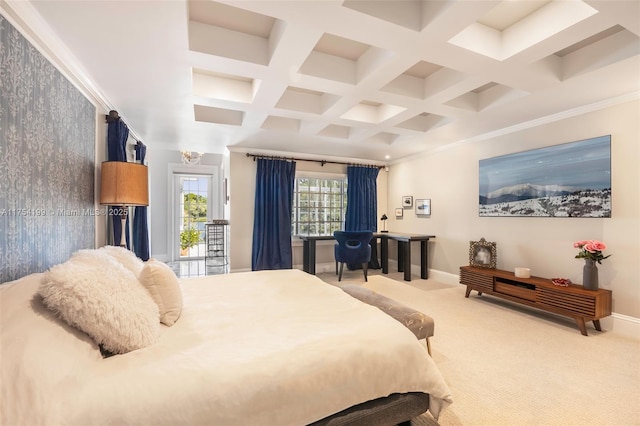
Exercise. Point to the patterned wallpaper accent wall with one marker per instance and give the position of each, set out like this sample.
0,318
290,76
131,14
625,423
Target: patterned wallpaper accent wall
47,151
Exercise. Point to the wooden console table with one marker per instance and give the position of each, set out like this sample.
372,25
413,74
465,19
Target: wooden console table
574,301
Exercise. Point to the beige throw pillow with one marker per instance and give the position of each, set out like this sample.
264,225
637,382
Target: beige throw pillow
164,287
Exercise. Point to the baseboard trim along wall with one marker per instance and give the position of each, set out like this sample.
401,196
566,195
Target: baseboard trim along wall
623,325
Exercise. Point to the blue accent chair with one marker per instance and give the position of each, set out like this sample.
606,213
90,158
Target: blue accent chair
352,248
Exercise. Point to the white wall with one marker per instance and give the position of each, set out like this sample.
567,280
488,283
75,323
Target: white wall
242,193
450,179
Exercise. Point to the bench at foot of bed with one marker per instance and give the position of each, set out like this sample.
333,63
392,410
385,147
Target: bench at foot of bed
419,323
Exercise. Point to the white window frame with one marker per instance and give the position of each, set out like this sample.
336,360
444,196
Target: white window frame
173,249
321,176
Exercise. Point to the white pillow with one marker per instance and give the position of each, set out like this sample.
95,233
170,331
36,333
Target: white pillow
128,258
98,295
164,287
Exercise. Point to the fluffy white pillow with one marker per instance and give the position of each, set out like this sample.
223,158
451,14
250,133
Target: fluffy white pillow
128,258
164,287
98,295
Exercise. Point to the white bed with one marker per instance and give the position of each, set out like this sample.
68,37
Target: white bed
255,348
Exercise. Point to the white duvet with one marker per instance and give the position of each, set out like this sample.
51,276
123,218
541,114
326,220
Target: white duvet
257,348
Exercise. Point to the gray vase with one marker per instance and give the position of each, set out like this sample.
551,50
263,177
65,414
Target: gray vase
590,275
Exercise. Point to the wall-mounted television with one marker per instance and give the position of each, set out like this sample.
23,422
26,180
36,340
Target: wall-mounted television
567,180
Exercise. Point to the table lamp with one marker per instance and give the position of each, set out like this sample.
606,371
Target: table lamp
124,185
384,222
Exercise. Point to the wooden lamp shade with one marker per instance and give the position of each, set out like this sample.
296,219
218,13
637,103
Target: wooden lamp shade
124,184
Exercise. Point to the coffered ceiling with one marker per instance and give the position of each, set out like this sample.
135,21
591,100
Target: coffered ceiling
377,80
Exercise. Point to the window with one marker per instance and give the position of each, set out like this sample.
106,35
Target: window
319,205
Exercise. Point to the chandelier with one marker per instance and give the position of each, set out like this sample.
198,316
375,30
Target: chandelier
191,157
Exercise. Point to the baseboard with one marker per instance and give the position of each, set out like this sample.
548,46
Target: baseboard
443,277
325,267
622,325
440,276
619,324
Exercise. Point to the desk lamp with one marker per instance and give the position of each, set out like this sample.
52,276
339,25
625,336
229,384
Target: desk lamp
384,222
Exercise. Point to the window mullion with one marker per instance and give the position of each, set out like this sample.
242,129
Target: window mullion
319,205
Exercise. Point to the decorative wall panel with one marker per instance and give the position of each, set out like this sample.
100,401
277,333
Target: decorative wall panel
47,144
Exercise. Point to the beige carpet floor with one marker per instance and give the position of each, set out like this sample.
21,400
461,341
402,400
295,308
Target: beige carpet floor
512,365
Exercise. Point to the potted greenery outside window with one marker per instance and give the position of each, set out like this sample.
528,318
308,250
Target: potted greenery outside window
188,238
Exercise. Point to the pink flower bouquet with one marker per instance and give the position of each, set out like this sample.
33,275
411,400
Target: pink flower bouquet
591,249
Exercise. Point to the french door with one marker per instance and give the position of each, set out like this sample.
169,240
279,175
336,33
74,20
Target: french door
193,207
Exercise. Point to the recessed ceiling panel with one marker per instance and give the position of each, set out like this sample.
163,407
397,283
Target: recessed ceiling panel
424,122
231,32
281,124
372,112
214,115
414,15
486,96
408,15
232,18
339,59
413,81
222,86
340,47
544,22
508,13
218,41
422,69
604,49
385,138
589,41
305,100
335,131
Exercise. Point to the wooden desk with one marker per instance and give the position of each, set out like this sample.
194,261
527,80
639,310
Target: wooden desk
309,251
404,252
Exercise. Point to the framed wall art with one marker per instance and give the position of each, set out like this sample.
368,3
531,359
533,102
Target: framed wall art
423,207
482,254
399,212
567,180
407,201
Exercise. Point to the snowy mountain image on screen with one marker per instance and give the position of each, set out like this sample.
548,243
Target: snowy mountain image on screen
527,191
546,200
565,180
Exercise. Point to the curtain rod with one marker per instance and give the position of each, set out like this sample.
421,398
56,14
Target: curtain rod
322,162
114,116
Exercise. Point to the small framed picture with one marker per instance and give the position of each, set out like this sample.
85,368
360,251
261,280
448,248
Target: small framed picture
482,254
407,201
423,207
399,212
